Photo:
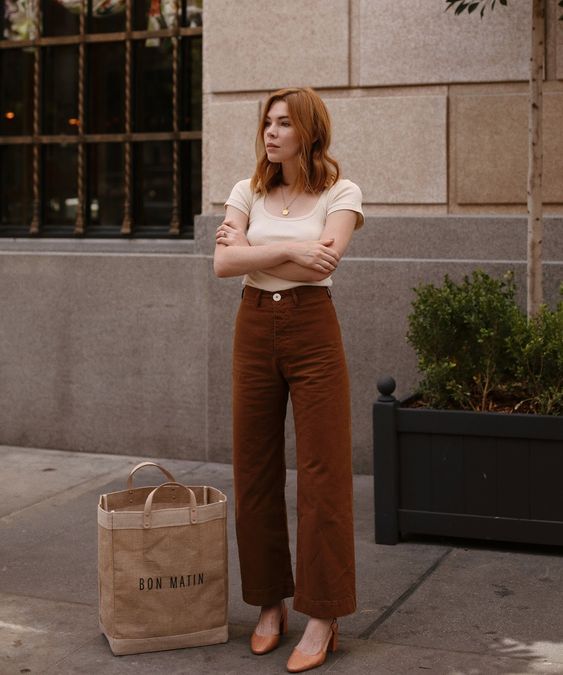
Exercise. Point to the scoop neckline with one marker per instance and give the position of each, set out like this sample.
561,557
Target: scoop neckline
286,218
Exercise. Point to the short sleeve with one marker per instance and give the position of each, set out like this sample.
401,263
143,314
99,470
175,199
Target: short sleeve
241,197
345,195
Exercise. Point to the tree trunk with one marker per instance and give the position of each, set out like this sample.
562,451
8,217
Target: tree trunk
535,160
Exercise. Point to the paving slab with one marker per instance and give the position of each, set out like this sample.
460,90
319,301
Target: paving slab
425,605
35,633
496,602
40,474
381,658
233,657
52,551
31,475
63,527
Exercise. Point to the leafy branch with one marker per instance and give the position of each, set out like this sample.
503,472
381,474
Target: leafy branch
472,5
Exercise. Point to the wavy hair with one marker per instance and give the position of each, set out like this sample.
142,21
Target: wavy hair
309,115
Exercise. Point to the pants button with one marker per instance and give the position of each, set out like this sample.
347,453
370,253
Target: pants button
276,297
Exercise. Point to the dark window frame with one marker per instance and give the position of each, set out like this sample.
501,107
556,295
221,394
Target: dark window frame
185,146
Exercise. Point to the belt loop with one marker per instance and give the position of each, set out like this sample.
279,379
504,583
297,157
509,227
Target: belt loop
258,297
328,292
242,293
295,296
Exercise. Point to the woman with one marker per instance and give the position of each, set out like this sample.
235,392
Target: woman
286,230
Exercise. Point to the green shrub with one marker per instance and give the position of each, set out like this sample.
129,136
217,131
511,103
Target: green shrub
477,351
538,353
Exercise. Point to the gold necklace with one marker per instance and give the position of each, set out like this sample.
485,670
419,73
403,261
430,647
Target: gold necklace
285,210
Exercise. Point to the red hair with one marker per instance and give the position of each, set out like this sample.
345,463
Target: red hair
309,115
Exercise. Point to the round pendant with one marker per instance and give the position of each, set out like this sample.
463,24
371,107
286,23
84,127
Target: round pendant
285,212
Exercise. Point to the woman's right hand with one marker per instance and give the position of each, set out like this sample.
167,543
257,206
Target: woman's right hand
316,255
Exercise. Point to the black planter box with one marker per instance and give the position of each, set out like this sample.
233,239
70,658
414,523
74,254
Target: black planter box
466,474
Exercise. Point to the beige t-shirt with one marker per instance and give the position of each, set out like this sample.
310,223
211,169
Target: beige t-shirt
265,228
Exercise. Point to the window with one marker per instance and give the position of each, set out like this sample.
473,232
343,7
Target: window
100,117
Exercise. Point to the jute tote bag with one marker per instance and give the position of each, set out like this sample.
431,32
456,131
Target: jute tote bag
162,566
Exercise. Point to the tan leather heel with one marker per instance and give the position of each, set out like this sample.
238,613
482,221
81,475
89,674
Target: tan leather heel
262,644
298,662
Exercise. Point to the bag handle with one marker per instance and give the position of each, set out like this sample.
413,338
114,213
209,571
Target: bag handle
148,503
143,464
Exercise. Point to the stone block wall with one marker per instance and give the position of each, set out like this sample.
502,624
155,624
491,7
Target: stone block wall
125,346
429,109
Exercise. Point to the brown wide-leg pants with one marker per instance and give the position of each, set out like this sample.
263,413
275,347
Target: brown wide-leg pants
289,343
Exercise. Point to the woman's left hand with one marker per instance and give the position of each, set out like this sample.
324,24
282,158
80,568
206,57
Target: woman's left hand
230,236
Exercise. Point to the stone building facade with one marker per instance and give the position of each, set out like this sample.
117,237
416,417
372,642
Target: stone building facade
124,346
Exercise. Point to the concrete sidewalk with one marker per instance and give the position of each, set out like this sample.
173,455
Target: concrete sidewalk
423,606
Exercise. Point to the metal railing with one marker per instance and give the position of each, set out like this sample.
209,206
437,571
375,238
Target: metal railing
176,33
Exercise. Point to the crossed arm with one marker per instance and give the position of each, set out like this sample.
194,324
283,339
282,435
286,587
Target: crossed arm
296,261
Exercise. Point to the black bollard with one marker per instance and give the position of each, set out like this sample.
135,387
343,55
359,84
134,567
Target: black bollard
385,463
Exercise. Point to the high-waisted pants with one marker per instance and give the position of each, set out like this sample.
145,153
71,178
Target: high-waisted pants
289,343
